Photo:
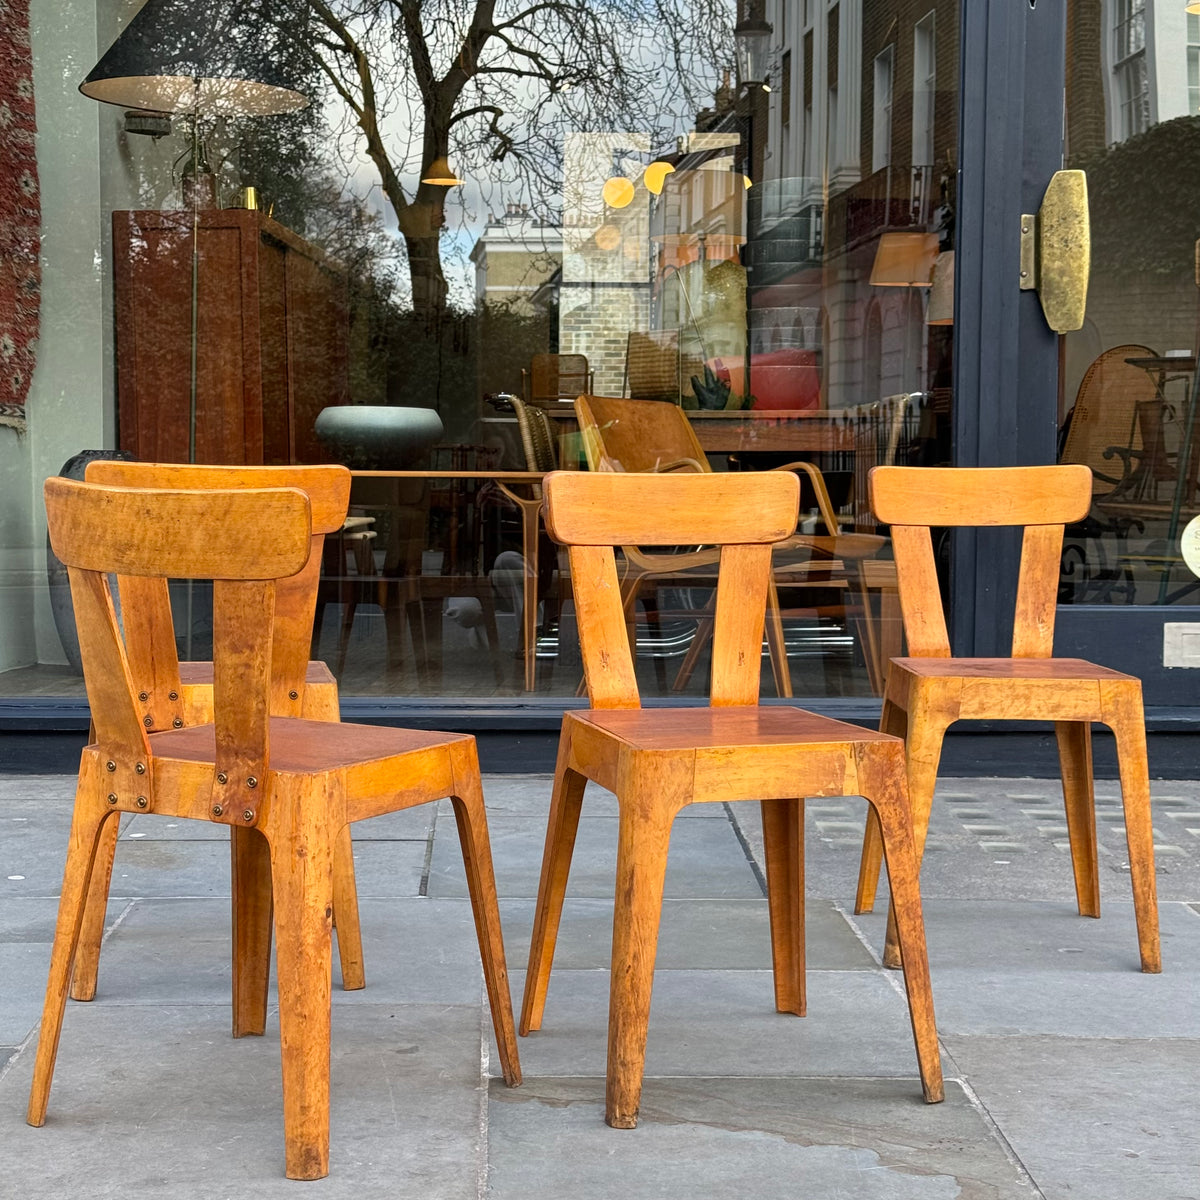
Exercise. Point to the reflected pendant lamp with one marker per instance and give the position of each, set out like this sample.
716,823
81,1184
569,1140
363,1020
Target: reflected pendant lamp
183,56
904,260
441,174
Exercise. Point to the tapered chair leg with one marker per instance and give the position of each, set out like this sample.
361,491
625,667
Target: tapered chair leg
927,726
302,877
345,913
91,933
566,803
250,878
481,886
882,782
893,720
783,843
1124,716
1075,760
91,812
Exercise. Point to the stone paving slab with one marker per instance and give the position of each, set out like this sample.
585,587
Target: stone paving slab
724,1023
705,859
163,1102
728,1139
1097,1118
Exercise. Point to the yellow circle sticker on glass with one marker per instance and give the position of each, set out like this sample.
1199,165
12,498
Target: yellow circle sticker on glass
618,191
1189,545
608,237
655,176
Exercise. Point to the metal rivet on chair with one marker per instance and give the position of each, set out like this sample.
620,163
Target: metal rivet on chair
141,802
172,695
110,765
251,782
217,810
222,777
248,815
140,768
293,695
112,799
143,696
177,723
148,721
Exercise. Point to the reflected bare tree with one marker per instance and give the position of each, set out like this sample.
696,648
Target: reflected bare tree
494,84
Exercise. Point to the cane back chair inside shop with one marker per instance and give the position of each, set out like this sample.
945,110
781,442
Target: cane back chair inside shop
173,694
660,760
930,690
284,785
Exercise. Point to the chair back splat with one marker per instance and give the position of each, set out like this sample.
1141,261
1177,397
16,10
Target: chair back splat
243,541
1041,499
592,513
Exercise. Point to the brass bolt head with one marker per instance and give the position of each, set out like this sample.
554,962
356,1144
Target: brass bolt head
217,810
148,721
142,802
252,782
248,815
110,765
293,695
112,799
222,777
143,696
172,695
177,723
140,768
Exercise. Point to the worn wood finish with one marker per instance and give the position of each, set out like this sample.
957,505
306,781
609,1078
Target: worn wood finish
300,781
929,690
659,760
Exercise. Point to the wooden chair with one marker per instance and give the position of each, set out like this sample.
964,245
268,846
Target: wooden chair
659,760
174,694
286,785
930,690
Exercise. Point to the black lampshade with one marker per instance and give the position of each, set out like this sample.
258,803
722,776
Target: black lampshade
215,58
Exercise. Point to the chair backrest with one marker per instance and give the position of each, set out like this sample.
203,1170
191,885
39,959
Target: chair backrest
637,435
152,654
537,439
557,376
652,365
243,540
1104,412
1040,499
743,514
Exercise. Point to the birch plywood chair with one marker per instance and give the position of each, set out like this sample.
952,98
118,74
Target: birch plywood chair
172,694
659,760
930,690
287,784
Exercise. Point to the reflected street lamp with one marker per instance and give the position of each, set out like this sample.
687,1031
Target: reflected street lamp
752,43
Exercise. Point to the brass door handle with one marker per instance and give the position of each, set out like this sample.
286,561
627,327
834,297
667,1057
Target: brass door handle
1056,251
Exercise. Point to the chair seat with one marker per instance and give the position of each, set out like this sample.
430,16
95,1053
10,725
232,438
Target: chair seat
723,728
304,747
1075,670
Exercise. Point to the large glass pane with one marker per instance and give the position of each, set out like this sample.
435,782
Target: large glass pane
737,216
1128,388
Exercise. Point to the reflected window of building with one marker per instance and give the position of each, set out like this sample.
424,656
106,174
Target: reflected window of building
1129,67
924,89
881,126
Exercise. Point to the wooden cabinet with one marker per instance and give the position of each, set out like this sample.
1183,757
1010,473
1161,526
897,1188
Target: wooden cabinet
271,337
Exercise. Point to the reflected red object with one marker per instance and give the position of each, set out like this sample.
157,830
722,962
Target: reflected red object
779,379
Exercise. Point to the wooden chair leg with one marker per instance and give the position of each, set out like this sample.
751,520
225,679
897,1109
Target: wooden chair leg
529,590
91,812
91,933
893,720
301,849
1075,759
471,817
1125,717
701,638
345,913
645,832
776,644
927,726
566,802
881,776
783,843
250,878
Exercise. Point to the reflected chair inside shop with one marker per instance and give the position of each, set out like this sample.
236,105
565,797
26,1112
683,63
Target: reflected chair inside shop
287,784
650,436
660,760
930,690
553,377
174,694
